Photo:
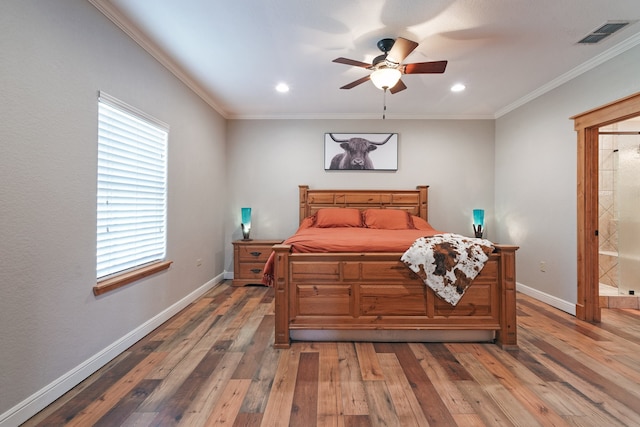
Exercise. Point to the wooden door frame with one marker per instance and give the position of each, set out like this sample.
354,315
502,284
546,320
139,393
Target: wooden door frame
587,125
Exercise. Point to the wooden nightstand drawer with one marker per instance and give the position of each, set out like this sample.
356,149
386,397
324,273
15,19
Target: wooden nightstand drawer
254,253
249,257
250,270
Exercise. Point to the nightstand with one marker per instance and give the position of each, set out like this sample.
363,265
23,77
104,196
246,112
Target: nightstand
249,257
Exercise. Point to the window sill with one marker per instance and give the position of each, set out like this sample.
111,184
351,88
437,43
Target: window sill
123,279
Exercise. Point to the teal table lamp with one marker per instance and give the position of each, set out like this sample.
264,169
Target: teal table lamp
246,223
478,222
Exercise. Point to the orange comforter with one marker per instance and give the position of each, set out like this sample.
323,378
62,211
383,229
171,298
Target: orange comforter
348,239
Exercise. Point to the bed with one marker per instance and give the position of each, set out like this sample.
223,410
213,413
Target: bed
360,295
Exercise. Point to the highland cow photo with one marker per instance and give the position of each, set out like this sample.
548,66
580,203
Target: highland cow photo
361,151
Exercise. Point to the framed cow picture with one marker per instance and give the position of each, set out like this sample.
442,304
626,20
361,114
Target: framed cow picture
361,151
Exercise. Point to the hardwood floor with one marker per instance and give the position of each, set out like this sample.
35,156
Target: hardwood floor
214,364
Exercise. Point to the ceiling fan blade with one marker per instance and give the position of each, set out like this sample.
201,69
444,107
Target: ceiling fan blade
355,83
425,67
398,87
401,49
353,62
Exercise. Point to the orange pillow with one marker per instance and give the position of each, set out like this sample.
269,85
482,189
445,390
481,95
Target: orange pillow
307,222
420,224
338,217
387,219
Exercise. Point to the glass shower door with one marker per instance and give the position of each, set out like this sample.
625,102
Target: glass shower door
628,201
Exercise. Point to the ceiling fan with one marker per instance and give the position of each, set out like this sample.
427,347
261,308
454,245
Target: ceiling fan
388,68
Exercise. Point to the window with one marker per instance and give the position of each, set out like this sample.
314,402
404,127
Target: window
132,188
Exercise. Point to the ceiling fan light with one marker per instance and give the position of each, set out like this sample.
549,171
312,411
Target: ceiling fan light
385,78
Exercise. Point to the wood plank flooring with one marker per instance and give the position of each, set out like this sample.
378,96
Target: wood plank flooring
214,364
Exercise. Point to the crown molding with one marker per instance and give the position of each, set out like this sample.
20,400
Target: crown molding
131,30
572,74
364,116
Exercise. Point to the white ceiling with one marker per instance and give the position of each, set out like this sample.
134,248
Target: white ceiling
233,53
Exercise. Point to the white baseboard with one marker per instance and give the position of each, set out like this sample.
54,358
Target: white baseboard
228,275
48,394
548,299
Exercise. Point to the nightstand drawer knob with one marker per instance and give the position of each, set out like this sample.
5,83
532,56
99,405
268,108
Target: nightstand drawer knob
256,253
256,270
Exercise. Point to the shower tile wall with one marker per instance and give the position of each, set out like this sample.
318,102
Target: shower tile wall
607,226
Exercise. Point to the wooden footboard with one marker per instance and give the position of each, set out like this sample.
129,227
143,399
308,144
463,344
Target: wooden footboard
376,291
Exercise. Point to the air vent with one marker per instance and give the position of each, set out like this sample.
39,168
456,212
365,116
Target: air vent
603,31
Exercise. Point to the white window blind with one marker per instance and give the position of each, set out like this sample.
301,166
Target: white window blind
132,183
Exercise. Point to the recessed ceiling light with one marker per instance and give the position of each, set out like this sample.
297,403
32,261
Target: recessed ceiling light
282,88
458,87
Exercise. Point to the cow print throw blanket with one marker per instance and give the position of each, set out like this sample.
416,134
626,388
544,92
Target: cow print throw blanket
448,263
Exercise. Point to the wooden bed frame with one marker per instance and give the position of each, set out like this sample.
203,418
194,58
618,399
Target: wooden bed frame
375,297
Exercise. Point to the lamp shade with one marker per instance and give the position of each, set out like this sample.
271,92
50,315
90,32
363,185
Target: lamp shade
385,78
246,222
246,216
478,217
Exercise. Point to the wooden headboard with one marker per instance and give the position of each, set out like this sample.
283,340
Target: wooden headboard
412,201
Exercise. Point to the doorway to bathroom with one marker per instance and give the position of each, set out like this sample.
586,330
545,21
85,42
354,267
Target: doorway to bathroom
587,126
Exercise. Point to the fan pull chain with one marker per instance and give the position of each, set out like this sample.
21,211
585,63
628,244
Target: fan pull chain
384,104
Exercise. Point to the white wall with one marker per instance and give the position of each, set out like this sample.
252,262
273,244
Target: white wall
536,177
268,159
56,56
